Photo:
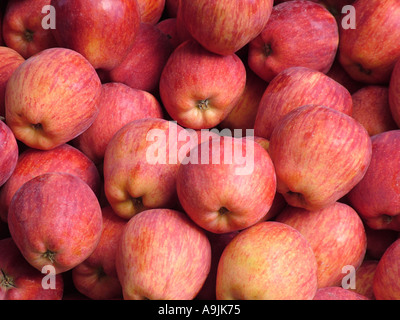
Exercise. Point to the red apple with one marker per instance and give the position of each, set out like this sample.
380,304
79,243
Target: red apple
319,154
55,219
394,93
371,109
238,22
151,11
171,8
23,30
267,261
295,87
162,255
96,277
360,51
169,27
338,241
377,196
20,281
337,293
378,240
240,189
140,166
199,88
142,67
103,31
44,119
386,285
243,114
339,74
8,153
10,60
32,162
119,105
311,40
365,279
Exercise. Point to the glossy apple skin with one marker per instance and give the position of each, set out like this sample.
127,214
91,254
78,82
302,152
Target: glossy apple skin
199,88
151,11
19,280
142,66
32,162
295,87
377,196
10,60
8,153
233,201
132,182
103,31
119,105
360,52
339,240
319,154
386,279
268,261
337,293
240,22
22,27
96,277
162,246
55,219
311,42
371,109
394,94
44,119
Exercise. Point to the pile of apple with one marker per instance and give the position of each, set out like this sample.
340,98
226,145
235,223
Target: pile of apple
100,198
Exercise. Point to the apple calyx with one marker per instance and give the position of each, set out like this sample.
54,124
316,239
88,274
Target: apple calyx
363,70
6,281
202,104
138,204
100,272
49,255
37,126
267,50
387,219
28,35
223,211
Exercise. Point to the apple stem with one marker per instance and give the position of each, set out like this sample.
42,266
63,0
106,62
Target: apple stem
6,281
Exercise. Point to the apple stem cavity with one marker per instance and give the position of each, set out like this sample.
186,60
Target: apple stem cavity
28,35
202,104
6,281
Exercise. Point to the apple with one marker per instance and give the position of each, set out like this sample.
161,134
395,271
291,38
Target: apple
238,22
371,109
119,105
240,191
55,219
394,94
10,60
295,87
243,114
378,240
338,241
386,278
8,154
199,88
218,242
103,31
311,40
142,66
360,51
162,254
337,293
20,281
171,8
377,196
365,279
96,277
319,155
33,162
169,26
267,261
151,11
22,27
44,119
141,162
